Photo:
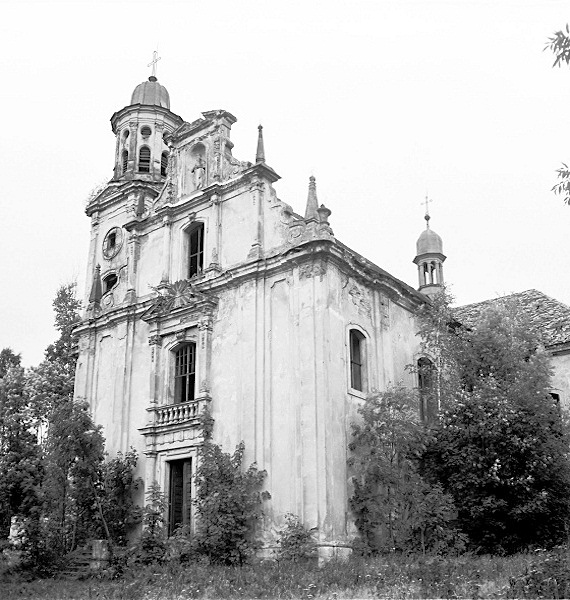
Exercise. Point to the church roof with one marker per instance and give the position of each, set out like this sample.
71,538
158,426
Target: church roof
550,317
151,93
429,242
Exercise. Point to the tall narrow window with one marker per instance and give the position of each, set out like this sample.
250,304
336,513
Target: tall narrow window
357,360
426,384
163,163
196,251
184,373
144,160
125,161
180,494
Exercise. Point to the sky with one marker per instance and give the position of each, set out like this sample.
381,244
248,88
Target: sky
382,101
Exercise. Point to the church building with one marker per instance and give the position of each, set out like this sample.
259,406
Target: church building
208,290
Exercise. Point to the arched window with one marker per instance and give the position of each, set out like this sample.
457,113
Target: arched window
426,384
357,360
163,163
144,160
196,251
109,282
184,373
125,160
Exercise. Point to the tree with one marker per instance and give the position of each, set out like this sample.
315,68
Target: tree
500,447
74,453
395,508
52,382
8,359
228,501
20,457
559,44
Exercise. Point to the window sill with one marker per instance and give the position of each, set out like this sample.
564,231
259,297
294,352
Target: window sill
357,393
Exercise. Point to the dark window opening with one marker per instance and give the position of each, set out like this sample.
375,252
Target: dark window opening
426,384
180,496
111,241
110,282
125,161
163,163
184,373
144,160
357,358
145,131
196,253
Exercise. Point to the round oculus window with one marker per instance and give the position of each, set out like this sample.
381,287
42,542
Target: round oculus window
145,131
112,242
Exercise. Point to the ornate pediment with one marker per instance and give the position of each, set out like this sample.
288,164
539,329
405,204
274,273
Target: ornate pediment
178,295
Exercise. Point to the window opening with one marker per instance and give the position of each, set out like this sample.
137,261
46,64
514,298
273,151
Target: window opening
110,282
163,163
184,373
145,131
357,360
196,254
426,384
180,496
125,161
144,160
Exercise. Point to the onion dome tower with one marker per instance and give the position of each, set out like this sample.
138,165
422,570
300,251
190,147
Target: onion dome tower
429,259
141,129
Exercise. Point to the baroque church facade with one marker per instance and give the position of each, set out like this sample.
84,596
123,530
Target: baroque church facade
209,291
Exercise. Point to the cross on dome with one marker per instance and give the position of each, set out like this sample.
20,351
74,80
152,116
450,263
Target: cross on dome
426,202
152,63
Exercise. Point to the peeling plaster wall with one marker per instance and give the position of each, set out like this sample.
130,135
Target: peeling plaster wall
561,378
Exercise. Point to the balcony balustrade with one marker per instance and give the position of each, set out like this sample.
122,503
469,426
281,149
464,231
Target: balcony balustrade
173,414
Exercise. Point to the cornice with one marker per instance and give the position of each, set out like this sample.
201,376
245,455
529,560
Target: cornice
208,288
137,108
119,191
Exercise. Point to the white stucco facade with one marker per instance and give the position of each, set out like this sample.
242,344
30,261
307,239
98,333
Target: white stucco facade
267,316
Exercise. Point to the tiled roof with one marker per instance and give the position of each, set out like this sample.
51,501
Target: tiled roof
550,317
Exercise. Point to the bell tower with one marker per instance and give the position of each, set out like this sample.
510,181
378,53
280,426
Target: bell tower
141,130
429,258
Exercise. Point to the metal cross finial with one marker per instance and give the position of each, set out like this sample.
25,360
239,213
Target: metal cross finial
426,202
152,63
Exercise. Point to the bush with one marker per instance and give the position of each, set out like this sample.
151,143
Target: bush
547,576
228,502
295,541
395,508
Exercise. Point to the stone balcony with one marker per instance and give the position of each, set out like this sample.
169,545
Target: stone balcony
172,414
170,418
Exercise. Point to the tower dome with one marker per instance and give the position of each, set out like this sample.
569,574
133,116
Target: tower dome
429,258
429,242
151,93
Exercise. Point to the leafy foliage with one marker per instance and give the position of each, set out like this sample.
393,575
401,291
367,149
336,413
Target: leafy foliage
8,358
295,540
559,44
500,447
20,457
115,489
228,501
396,510
74,456
151,547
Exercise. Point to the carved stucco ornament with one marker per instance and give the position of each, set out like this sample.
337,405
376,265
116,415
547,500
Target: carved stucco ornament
172,296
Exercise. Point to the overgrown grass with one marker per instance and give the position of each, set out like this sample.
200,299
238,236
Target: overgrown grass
385,577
